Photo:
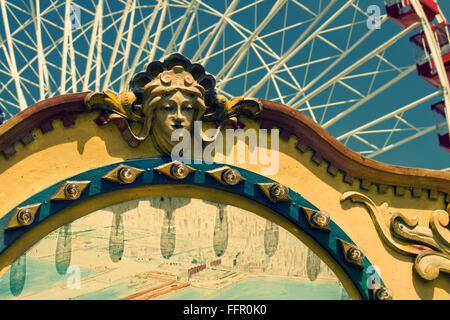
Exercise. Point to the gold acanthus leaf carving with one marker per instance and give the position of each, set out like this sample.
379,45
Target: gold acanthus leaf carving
440,225
429,264
409,230
377,214
107,101
405,235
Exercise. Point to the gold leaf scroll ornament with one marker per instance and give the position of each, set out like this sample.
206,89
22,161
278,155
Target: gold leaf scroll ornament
430,246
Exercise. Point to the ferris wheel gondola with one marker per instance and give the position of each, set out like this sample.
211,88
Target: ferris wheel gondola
433,67
403,13
438,110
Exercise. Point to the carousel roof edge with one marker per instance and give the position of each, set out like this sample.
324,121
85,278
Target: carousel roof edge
40,115
291,122
353,165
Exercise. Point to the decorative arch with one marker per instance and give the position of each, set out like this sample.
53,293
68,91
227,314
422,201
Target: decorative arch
54,209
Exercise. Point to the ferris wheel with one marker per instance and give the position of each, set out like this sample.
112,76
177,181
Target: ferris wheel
348,64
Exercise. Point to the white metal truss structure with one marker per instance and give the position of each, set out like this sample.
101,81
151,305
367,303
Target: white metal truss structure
349,69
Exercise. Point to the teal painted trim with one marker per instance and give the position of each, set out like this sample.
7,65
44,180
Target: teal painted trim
248,188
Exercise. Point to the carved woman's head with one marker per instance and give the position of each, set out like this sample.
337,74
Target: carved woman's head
169,95
172,100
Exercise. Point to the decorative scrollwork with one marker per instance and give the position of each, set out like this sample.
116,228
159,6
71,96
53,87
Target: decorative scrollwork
429,264
409,230
405,235
439,223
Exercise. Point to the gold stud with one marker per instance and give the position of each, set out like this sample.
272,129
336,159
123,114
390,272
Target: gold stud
123,174
275,192
320,219
317,219
175,170
382,293
179,171
352,253
127,175
226,176
231,177
70,190
23,216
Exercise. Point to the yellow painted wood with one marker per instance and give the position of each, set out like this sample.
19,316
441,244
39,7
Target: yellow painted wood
64,152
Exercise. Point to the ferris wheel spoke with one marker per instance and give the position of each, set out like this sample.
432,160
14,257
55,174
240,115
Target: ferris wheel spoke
253,4
286,82
369,97
268,68
129,7
283,35
23,9
355,65
23,25
397,122
158,30
176,34
381,58
284,29
126,54
341,82
144,40
11,57
374,73
377,72
390,115
330,67
401,142
415,129
73,68
300,42
269,52
375,148
25,31
99,40
330,104
330,95
218,29
7,72
194,14
267,49
64,56
225,93
350,32
92,42
220,33
291,68
304,7
237,57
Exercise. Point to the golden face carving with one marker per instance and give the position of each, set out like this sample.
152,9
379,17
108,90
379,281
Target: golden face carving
173,100
174,112
166,97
